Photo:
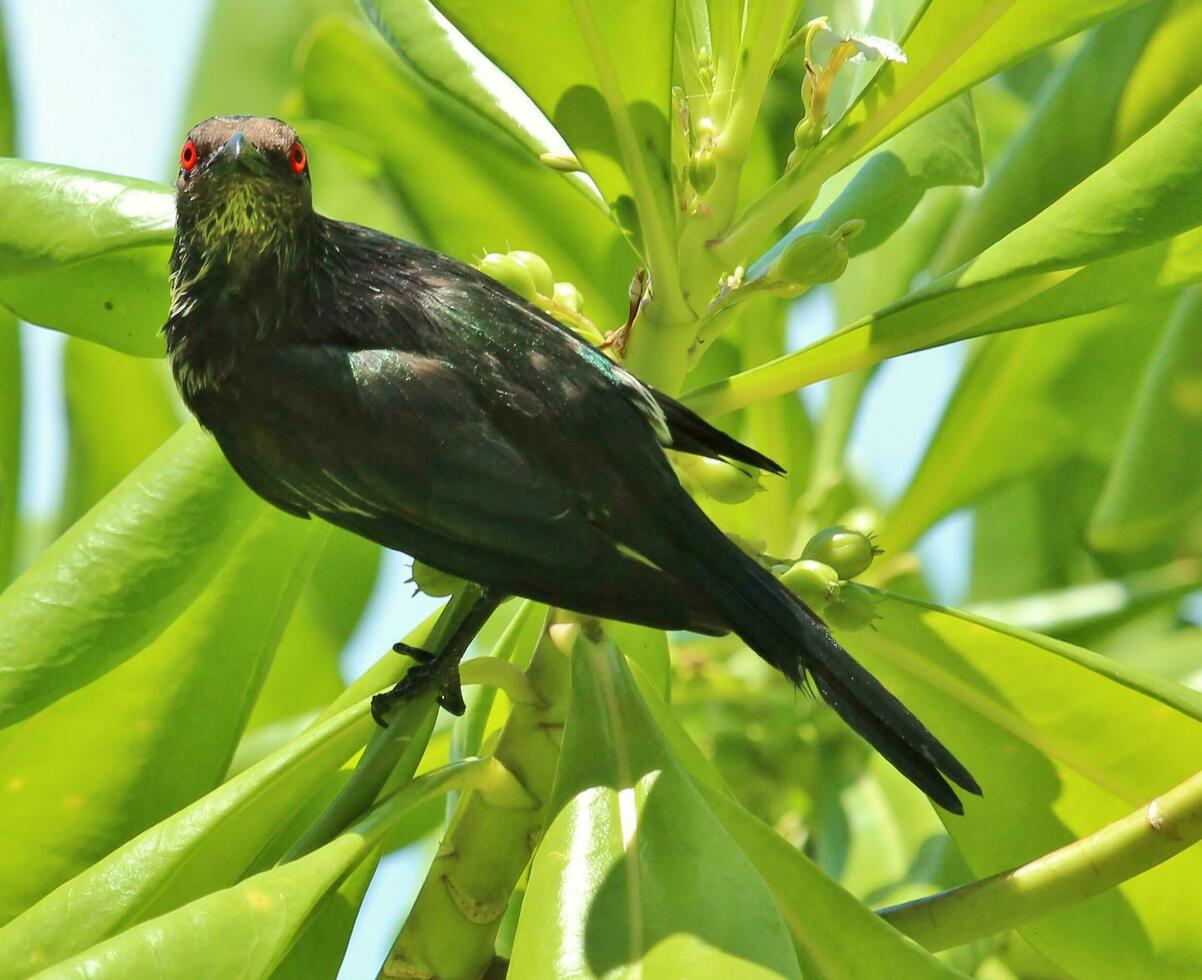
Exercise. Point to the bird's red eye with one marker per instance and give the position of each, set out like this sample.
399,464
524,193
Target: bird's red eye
297,158
188,156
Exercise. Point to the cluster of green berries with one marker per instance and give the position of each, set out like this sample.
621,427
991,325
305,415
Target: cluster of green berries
529,275
821,578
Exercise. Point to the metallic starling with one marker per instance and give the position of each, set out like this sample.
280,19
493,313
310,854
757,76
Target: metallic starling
409,398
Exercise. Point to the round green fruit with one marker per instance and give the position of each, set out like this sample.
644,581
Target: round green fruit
509,273
853,608
540,272
814,257
722,481
812,582
434,582
847,551
565,294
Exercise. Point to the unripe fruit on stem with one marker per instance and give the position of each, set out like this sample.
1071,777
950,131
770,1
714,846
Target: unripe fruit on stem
848,552
812,582
723,482
540,272
434,582
814,257
702,170
565,294
853,608
509,273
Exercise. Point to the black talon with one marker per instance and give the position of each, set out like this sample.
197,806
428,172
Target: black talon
414,653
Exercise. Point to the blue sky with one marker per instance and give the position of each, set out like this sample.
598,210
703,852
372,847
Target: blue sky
100,85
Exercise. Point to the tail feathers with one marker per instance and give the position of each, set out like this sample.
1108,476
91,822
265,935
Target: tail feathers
782,630
693,434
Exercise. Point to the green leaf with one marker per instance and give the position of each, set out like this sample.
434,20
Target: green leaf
247,930
1033,719
435,49
120,575
7,110
119,410
201,848
1026,400
1066,138
10,442
655,886
1155,485
468,187
954,45
602,73
86,253
183,700
1128,230
835,935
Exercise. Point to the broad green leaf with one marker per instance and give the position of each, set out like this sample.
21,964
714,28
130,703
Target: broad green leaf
1128,230
835,935
86,253
201,848
954,45
247,930
468,187
1155,485
119,410
634,876
1066,138
76,785
1033,720
251,71
10,442
602,73
121,574
438,52
1028,399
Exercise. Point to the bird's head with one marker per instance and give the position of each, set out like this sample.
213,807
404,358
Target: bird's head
243,189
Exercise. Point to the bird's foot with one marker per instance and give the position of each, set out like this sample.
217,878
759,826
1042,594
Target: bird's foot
439,672
414,653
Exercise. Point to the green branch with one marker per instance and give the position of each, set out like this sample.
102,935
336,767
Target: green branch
1080,870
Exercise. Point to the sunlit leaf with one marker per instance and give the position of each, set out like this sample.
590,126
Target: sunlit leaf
75,785
652,883
200,848
1032,719
121,574
10,442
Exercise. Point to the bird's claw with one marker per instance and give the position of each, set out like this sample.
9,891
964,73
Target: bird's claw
414,653
429,671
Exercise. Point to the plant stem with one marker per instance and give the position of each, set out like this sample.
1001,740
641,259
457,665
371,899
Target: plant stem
403,741
1087,867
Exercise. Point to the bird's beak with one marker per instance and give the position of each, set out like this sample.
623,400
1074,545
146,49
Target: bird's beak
238,155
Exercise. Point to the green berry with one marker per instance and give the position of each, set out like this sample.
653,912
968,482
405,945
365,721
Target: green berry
540,272
509,273
848,552
565,294
723,482
853,608
812,582
814,257
432,581
702,170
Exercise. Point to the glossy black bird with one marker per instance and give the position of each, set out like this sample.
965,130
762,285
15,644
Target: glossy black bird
407,397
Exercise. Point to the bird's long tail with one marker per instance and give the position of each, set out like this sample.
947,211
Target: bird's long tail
782,630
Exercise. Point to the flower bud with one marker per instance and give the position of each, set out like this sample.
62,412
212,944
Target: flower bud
540,272
509,273
812,582
432,581
848,552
